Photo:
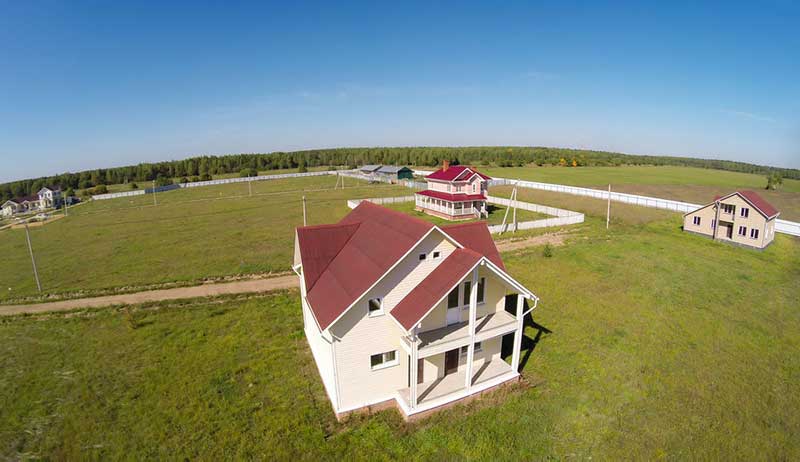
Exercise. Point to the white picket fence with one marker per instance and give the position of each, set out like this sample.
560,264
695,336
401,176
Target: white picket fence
381,179
100,197
198,184
562,217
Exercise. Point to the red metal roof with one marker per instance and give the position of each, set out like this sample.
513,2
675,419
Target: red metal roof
427,293
455,173
367,242
320,245
758,202
765,207
476,236
460,197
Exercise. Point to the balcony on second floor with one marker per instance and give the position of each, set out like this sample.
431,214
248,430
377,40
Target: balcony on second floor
456,335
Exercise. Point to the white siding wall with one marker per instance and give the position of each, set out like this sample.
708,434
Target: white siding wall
362,336
495,293
322,351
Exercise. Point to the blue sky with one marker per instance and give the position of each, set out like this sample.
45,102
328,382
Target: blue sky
92,85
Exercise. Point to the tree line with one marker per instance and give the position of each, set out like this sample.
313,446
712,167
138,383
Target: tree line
206,166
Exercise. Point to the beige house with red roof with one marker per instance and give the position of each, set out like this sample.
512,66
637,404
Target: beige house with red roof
454,192
742,218
390,314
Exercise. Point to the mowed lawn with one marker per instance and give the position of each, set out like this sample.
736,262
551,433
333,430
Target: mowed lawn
192,234
658,344
688,184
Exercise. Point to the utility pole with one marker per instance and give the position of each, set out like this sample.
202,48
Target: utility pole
608,209
33,260
155,202
304,210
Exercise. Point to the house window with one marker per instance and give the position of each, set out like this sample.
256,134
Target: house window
727,208
375,307
436,255
696,221
422,257
742,231
753,233
745,212
383,360
465,348
473,187
452,298
481,291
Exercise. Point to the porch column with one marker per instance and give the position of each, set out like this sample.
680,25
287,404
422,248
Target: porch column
518,334
414,371
473,309
716,222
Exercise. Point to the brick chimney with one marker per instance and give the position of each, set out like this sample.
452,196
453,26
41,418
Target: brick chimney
445,165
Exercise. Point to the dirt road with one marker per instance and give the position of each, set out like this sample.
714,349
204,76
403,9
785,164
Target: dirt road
205,290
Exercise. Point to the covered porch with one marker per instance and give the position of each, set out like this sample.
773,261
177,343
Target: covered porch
451,387
454,209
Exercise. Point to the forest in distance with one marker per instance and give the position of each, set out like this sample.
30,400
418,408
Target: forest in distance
352,157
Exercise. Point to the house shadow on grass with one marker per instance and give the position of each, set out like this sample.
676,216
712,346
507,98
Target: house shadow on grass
528,344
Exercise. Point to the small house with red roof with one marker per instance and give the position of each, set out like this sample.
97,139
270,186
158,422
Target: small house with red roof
742,218
400,312
454,192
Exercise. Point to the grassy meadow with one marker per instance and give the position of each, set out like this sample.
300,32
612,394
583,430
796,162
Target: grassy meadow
688,184
192,234
648,343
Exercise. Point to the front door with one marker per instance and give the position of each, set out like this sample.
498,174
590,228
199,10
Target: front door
451,361
453,315
729,232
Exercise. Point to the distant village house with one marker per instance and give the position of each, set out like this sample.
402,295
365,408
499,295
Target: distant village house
741,218
388,172
454,193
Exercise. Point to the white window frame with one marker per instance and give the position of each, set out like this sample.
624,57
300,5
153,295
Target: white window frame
436,255
478,348
696,221
375,313
752,232
384,362
743,231
744,212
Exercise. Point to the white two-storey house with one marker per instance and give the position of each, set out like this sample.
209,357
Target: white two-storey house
400,312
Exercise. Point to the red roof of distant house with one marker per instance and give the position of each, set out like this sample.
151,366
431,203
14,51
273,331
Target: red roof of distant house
342,261
427,293
476,236
455,173
765,207
460,197
758,202
348,258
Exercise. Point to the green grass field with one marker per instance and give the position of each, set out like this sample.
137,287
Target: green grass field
192,234
659,344
688,184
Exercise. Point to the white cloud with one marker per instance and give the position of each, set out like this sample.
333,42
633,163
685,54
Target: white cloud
539,75
750,115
